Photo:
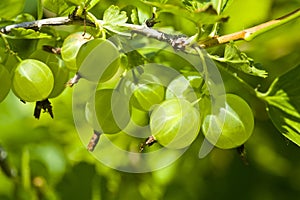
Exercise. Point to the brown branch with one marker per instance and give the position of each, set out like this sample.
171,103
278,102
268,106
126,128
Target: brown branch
250,33
176,41
58,21
93,141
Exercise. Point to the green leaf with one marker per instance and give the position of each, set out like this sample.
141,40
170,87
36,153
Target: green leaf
80,177
140,11
22,33
39,9
283,104
11,8
91,3
236,59
113,17
75,2
58,7
221,5
86,3
25,17
134,16
203,15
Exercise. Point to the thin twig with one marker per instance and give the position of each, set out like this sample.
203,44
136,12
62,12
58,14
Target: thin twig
176,41
57,21
250,33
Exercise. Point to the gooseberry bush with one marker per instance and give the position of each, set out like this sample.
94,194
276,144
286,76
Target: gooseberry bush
151,79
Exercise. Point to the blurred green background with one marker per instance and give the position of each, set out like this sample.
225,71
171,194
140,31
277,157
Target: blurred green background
54,164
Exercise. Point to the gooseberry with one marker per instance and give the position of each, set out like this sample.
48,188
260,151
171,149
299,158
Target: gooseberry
232,126
32,80
71,46
107,111
98,60
175,123
58,68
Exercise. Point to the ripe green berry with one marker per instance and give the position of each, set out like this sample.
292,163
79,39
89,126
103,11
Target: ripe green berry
145,96
32,80
180,88
107,111
175,123
71,46
58,68
232,126
143,89
98,60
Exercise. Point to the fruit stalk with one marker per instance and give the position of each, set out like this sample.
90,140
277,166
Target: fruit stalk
94,141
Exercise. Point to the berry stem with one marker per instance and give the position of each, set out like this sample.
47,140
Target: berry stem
93,141
44,105
242,153
148,142
74,80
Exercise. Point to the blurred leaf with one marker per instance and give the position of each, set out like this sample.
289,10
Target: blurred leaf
11,8
25,168
51,158
135,59
77,183
22,33
283,99
39,9
25,17
75,2
91,3
4,164
240,61
134,17
203,15
138,11
221,5
144,12
88,3
59,7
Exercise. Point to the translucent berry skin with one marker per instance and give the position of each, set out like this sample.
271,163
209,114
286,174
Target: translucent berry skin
98,60
175,123
58,68
145,96
107,111
71,46
32,80
233,125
